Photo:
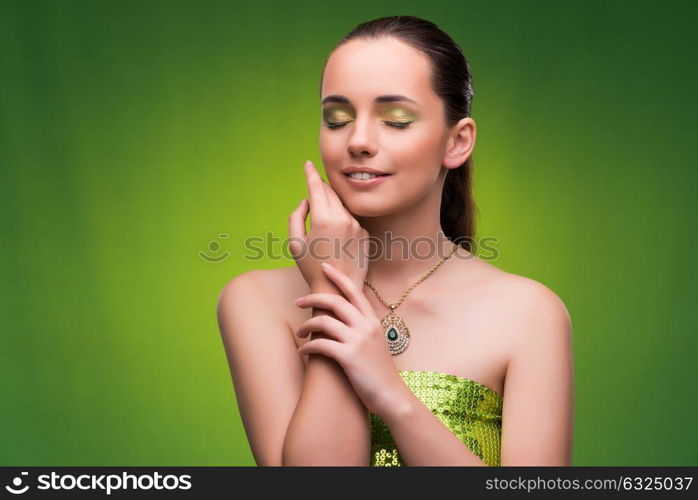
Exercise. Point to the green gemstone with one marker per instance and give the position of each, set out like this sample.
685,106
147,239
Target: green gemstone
392,334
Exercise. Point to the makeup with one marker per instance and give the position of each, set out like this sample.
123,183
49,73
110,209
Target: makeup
399,115
395,116
336,116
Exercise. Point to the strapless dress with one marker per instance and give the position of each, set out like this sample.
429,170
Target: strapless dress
470,410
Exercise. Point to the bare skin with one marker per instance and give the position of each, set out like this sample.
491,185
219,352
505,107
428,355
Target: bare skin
463,307
470,319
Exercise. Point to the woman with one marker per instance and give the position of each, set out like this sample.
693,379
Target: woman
432,358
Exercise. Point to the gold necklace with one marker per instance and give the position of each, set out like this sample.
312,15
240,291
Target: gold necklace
396,332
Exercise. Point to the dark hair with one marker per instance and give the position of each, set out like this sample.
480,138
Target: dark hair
451,80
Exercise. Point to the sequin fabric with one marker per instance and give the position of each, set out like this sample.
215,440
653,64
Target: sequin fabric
470,410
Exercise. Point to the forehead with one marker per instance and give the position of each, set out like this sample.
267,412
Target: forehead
363,69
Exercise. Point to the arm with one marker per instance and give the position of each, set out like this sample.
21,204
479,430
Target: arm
537,408
330,423
266,370
537,420
423,439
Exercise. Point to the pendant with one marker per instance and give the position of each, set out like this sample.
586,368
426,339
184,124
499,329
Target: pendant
396,333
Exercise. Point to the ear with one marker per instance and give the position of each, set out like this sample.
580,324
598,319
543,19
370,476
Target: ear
461,142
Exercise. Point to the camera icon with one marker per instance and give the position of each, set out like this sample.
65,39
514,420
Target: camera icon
17,483
214,247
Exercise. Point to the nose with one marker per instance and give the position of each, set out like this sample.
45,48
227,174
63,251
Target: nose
361,141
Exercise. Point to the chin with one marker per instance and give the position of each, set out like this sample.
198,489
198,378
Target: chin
369,206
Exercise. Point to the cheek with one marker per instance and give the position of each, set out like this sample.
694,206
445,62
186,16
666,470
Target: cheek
331,148
417,153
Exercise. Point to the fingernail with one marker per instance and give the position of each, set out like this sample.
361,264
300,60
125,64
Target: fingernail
326,265
298,300
308,163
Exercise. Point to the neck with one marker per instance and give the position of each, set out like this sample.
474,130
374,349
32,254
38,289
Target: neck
407,243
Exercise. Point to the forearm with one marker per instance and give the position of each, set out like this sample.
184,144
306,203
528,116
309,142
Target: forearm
422,438
330,423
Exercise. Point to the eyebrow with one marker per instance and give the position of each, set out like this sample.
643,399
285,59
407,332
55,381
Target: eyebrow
379,99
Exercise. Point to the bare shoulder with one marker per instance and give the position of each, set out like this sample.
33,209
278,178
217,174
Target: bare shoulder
278,278
276,287
538,311
530,295
526,305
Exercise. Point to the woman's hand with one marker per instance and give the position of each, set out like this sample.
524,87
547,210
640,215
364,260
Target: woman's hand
334,234
356,341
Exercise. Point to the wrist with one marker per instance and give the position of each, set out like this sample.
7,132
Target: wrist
324,286
321,286
402,405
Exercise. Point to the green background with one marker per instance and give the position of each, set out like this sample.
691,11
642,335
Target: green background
133,134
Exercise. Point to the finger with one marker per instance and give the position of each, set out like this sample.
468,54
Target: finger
327,347
333,201
350,291
316,192
296,227
327,325
337,304
333,205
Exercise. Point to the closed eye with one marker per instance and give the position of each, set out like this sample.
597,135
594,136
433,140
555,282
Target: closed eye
336,125
399,125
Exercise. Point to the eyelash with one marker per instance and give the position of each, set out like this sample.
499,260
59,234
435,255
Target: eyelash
398,125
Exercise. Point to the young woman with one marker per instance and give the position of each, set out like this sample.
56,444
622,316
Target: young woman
421,353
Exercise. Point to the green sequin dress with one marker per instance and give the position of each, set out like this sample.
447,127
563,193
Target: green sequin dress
470,410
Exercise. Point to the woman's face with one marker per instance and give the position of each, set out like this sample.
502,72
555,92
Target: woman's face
406,138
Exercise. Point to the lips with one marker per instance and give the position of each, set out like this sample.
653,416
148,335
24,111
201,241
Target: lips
373,173
352,169
361,181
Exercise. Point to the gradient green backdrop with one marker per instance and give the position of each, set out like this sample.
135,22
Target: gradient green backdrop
133,134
